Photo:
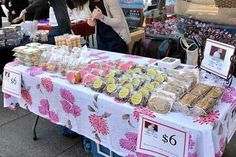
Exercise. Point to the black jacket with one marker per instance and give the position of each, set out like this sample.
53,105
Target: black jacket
60,10
16,5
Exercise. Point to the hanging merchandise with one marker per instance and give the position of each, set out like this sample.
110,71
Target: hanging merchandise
215,11
131,4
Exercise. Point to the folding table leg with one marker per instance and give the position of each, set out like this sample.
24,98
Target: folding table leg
34,128
93,40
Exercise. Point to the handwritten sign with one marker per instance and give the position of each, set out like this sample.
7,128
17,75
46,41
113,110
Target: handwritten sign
11,82
161,138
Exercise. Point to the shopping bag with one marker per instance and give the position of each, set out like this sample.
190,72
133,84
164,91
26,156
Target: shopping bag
192,50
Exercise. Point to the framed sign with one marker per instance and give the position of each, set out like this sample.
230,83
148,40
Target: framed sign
217,58
162,138
11,83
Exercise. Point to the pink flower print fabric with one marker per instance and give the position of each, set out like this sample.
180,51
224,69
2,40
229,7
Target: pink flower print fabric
99,123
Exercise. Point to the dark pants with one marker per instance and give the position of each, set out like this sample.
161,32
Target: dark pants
53,33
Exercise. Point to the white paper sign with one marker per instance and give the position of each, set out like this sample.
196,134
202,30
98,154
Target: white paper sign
11,82
217,57
232,122
161,138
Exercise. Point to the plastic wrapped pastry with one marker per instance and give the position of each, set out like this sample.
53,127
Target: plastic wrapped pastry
200,89
111,89
160,104
215,92
123,94
203,105
137,99
73,77
188,100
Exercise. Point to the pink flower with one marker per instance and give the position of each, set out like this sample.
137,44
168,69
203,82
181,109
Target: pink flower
34,71
229,95
67,95
142,110
67,107
47,84
143,155
53,117
210,118
192,154
7,96
25,94
76,111
222,144
44,107
219,154
99,124
191,143
129,143
132,56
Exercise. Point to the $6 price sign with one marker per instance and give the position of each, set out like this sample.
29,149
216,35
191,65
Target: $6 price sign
11,82
170,139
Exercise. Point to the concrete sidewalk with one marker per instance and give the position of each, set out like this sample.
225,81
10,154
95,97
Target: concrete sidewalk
16,138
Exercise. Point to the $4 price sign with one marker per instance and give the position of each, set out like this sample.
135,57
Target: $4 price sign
11,82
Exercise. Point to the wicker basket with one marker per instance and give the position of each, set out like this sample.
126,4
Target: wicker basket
225,3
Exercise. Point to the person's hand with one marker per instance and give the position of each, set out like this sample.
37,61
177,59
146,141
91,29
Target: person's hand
97,14
13,12
91,22
21,17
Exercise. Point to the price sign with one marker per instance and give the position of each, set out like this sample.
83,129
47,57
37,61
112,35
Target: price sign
11,82
161,138
232,122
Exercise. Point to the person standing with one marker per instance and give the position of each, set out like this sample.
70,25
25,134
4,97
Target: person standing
15,7
60,10
58,16
2,14
112,28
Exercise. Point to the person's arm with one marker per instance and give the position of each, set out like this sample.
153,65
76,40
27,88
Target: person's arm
34,5
116,13
31,8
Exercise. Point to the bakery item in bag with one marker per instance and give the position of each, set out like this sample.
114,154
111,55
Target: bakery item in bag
215,92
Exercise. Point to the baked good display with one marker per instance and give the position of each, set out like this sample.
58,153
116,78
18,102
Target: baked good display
215,92
137,99
188,100
160,104
200,89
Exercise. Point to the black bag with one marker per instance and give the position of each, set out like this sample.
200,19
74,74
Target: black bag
160,48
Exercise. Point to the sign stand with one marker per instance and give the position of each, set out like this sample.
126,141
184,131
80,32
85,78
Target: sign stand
229,77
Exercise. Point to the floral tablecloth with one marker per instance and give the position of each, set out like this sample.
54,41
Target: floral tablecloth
115,124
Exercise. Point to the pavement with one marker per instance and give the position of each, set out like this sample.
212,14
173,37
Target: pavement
16,137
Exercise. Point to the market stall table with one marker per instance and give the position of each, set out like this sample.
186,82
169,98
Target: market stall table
115,124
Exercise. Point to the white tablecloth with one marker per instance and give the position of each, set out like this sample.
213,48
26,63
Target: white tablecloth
115,124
